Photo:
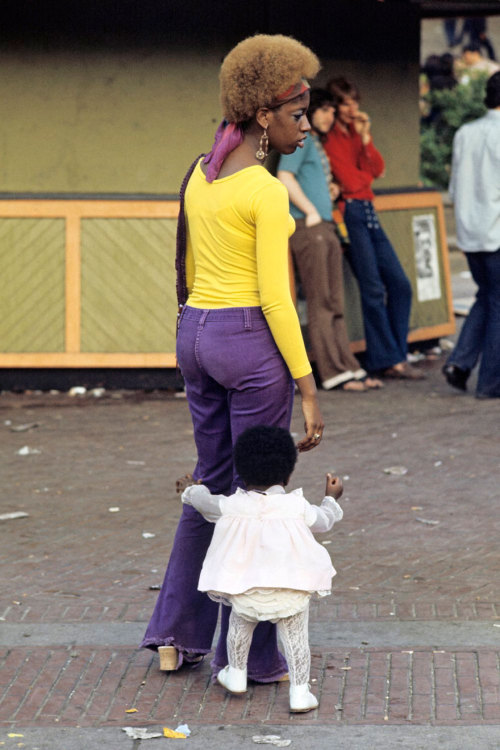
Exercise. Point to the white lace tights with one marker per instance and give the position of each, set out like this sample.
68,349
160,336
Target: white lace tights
293,632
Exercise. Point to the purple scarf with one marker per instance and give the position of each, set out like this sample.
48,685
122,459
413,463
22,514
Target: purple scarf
228,136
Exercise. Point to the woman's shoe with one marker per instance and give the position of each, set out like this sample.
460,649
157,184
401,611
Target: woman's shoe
234,680
403,371
354,386
374,383
301,699
456,377
169,658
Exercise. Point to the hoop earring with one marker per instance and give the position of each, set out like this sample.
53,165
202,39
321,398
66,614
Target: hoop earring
262,151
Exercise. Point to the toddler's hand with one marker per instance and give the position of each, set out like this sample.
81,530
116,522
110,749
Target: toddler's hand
334,487
185,481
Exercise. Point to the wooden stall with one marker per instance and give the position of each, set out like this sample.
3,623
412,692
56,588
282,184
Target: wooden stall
91,283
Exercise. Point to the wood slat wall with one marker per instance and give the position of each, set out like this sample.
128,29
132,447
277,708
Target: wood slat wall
100,301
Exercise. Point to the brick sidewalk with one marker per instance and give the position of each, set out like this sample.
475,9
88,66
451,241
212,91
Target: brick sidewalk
93,687
74,561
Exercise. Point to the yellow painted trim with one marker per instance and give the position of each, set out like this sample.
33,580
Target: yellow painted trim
89,209
88,359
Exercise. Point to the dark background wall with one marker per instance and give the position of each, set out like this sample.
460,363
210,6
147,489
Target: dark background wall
118,96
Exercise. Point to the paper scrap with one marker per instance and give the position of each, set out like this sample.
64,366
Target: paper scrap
173,734
24,427
140,733
27,451
131,711
270,739
397,471
12,516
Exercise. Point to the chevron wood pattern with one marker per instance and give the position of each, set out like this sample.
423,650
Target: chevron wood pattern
128,288
32,301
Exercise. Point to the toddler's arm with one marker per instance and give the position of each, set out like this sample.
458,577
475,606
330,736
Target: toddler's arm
321,518
205,503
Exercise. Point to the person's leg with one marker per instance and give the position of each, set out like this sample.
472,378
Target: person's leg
486,43
382,349
184,617
470,342
449,25
265,662
293,632
488,383
397,286
208,401
239,637
238,350
318,257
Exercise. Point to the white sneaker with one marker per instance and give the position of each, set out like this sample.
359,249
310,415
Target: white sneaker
234,680
301,699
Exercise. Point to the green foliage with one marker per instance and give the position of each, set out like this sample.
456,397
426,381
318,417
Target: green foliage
449,109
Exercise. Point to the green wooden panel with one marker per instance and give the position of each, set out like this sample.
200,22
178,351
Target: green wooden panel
128,285
32,285
399,226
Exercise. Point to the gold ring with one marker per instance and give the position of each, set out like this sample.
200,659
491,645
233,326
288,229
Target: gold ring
316,436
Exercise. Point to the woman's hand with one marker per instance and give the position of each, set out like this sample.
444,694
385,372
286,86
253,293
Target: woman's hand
312,218
185,481
313,421
362,126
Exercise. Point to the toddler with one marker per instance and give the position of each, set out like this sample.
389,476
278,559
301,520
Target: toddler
263,560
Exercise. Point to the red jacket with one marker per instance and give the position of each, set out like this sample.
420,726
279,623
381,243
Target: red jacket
354,166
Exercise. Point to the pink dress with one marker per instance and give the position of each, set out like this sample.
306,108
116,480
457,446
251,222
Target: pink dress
263,559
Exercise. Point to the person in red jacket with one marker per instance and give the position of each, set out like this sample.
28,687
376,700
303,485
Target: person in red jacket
384,288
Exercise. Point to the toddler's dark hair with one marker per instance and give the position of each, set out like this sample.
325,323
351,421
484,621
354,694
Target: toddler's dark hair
264,456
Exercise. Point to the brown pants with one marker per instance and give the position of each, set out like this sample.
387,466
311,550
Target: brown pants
318,257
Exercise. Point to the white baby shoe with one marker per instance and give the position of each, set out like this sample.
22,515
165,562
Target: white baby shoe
301,699
234,680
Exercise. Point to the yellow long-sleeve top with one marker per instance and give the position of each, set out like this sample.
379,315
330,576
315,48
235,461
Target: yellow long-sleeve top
237,252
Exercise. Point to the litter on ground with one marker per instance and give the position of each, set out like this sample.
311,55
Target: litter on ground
270,739
397,471
140,733
12,516
27,451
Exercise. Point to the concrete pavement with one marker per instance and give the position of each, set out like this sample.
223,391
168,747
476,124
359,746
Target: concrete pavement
406,652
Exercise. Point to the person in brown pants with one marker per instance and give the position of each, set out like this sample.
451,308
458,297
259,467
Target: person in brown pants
318,254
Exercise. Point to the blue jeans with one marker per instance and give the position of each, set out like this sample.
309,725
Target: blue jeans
383,285
480,334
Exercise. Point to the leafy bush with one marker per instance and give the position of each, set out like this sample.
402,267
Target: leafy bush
449,109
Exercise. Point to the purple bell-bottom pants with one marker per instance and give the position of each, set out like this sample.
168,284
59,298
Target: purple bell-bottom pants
235,378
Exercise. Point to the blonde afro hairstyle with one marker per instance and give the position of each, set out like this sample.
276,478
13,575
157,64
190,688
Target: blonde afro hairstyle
258,70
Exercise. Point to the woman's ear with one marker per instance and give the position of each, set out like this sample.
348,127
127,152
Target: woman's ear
262,117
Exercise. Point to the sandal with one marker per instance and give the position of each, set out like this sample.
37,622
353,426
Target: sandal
354,386
403,371
373,383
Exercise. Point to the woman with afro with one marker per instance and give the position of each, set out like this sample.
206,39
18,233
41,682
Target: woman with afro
239,344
